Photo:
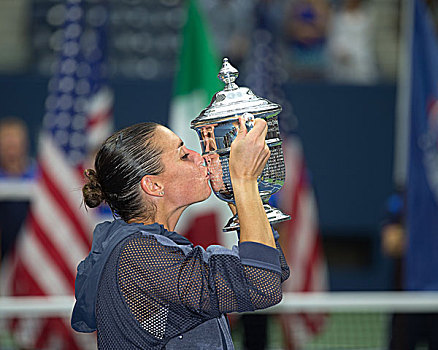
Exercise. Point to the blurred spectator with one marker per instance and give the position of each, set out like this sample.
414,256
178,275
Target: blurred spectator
15,164
230,26
407,330
305,29
14,158
393,245
351,54
393,235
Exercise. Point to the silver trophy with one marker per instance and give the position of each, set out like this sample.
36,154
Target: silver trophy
217,127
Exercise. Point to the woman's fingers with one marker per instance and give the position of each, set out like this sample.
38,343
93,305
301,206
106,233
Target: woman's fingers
260,128
263,158
242,127
249,152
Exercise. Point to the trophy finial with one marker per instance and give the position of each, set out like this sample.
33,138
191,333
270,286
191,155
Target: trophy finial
228,74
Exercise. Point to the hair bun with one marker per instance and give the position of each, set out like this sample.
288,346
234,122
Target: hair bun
92,191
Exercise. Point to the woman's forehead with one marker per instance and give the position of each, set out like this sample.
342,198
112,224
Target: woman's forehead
167,139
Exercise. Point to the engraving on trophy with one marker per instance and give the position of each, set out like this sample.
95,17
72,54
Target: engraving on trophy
217,127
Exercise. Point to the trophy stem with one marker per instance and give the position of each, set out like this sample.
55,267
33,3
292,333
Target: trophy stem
274,215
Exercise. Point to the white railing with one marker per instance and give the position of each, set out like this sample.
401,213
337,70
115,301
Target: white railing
291,303
16,189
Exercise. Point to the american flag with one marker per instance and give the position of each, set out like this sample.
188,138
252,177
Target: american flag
301,241
57,232
300,236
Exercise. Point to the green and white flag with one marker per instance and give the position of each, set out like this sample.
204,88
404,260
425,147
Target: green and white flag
196,83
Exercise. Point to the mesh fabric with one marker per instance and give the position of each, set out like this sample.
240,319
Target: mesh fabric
150,293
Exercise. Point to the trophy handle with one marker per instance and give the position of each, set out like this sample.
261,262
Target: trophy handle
274,215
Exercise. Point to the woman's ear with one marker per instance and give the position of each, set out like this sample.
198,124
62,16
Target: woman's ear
152,186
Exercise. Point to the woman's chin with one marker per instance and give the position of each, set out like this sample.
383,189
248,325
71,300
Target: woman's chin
205,195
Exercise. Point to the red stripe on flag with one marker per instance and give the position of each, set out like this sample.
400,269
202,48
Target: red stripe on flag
101,116
203,230
52,251
55,327
65,206
23,283
289,339
314,322
314,256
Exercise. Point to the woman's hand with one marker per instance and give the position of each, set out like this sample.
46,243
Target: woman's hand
248,156
249,152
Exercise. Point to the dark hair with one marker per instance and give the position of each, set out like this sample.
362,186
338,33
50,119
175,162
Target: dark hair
122,161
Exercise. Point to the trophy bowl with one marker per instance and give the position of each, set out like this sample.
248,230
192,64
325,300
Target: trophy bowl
217,127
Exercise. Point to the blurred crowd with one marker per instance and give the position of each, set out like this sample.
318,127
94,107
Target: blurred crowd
344,41
339,41
315,39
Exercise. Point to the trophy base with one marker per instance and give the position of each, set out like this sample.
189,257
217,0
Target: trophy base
274,216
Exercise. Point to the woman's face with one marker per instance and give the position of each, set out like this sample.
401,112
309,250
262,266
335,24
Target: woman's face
185,177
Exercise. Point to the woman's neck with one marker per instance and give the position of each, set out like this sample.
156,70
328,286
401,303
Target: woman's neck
169,219
165,218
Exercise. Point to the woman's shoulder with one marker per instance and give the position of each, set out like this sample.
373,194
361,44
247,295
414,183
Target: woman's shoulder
156,234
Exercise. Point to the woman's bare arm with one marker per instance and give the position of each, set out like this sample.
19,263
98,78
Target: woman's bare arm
248,156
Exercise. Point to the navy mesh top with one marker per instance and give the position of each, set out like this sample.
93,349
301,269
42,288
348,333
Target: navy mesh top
143,287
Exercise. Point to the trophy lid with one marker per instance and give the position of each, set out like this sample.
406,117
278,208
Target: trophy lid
233,101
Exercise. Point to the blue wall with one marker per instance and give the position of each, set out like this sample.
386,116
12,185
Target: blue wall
348,137
347,134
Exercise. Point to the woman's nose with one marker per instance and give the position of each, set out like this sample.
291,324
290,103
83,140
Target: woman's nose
197,158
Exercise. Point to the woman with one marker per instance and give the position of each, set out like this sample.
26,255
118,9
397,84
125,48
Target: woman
143,286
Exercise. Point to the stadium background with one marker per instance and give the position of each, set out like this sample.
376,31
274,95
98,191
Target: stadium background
347,129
